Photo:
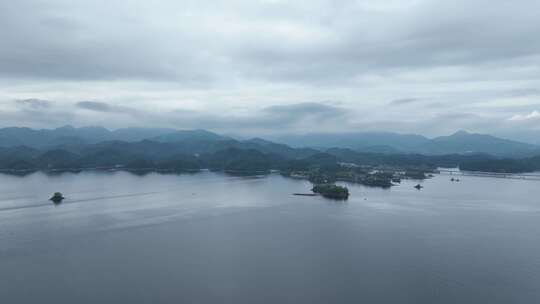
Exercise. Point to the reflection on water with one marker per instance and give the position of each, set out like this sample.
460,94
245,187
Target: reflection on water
209,237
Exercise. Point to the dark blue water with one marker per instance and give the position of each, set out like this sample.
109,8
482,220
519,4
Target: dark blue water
212,238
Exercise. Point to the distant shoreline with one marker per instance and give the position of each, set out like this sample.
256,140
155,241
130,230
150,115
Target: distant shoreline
534,176
121,169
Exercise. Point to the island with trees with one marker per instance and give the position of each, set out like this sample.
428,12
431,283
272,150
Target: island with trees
331,191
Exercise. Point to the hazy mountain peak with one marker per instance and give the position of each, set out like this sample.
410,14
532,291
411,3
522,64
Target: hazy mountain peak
65,127
462,133
259,140
189,135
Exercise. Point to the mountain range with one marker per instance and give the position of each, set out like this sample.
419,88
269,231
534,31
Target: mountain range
46,138
460,142
167,149
201,140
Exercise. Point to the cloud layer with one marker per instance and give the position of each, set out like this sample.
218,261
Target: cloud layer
420,66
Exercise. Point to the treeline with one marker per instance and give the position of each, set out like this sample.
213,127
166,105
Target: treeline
468,162
229,159
413,160
231,155
503,165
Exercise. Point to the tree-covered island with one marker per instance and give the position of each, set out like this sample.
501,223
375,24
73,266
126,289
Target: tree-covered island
331,191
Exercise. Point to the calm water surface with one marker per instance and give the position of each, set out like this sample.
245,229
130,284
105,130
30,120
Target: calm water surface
212,238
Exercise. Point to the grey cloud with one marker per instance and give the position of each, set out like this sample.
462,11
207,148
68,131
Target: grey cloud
272,119
41,117
433,34
58,40
437,105
270,40
104,107
303,116
299,117
453,116
94,106
452,57
292,118
306,108
523,92
403,101
33,103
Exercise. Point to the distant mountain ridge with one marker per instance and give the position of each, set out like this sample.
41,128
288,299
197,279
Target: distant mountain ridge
23,149
68,135
461,142
354,140
202,140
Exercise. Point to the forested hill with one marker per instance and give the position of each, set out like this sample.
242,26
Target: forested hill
72,148
372,142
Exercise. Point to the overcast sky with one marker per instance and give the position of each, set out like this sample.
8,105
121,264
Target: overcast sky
261,67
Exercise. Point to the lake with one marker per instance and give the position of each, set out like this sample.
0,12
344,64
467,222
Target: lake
214,238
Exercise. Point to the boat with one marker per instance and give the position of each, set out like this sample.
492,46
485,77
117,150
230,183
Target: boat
305,194
57,197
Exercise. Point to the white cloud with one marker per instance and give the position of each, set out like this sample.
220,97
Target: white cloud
522,117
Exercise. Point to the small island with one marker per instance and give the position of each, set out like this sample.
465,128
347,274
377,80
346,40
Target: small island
57,197
331,191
